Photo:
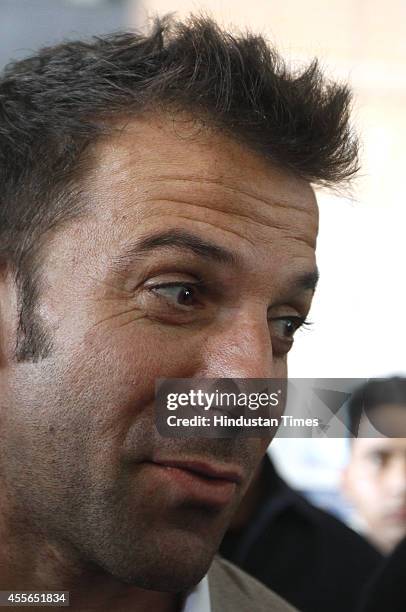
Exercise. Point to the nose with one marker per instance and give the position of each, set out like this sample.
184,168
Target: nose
240,348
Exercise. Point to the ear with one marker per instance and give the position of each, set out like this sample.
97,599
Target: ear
8,314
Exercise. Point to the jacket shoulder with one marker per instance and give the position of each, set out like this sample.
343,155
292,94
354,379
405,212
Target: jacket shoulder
232,590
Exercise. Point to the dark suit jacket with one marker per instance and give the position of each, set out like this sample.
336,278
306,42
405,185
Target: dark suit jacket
387,588
304,554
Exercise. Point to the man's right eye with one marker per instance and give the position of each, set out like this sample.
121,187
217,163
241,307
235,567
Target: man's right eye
183,295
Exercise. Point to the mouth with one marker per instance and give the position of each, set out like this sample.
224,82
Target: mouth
203,482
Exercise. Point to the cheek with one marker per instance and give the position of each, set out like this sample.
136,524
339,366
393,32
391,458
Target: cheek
367,489
115,373
366,492
147,349
114,376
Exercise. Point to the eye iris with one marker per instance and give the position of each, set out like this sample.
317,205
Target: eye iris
185,296
289,328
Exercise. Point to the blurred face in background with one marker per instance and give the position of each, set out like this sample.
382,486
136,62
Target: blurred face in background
375,482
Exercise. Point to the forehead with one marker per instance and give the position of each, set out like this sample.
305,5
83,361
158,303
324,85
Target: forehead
159,166
154,174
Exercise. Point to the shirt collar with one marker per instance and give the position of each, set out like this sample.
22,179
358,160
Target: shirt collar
198,599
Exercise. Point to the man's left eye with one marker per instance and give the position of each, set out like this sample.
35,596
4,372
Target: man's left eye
285,327
180,294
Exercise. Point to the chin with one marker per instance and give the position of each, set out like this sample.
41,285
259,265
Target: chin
175,565
168,580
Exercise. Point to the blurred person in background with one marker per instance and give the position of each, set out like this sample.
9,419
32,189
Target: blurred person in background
303,553
374,479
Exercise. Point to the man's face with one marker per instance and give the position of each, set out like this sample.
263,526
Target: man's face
196,259
375,481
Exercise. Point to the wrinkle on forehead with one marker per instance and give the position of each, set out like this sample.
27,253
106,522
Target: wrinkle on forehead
260,228
275,202
196,222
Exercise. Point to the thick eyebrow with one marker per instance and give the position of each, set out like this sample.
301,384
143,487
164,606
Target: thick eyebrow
174,239
307,281
299,285
186,241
